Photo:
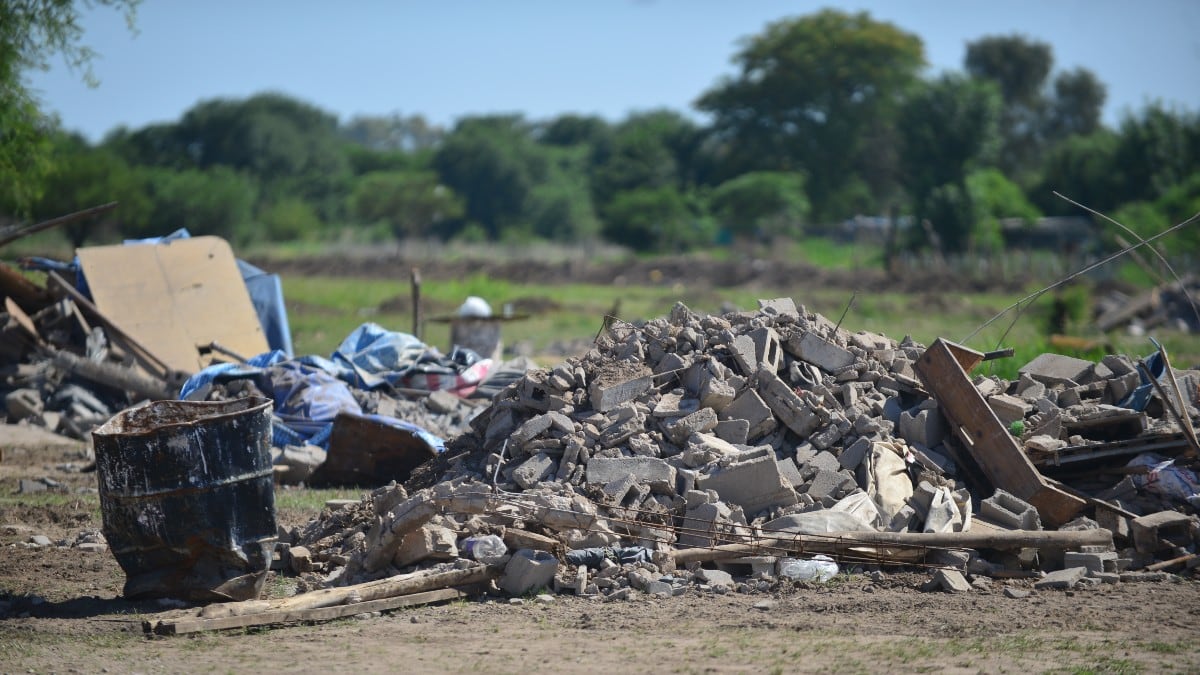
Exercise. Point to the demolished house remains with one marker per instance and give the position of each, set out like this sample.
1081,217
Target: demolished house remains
693,452
719,453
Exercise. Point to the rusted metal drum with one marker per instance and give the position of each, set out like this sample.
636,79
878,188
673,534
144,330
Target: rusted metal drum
187,497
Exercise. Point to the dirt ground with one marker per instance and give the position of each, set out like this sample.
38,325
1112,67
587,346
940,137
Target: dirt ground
61,611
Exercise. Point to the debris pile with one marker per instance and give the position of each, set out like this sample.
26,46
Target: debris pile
755,438
1167,305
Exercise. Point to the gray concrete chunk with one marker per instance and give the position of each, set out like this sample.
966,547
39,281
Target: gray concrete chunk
1053,369
606,396
652,471
750,407
1061,579
754,485
821,353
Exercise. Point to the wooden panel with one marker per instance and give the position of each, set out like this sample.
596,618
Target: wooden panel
989,442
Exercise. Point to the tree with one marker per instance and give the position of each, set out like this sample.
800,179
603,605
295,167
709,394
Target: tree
1017,64
32,32
493,163
83,176
761,205
809,91
948,126
217,201
412,203
1083,168
412,133
1076,104
654,220
646,150
996,197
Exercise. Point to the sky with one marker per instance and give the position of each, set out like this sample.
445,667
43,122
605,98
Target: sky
542,58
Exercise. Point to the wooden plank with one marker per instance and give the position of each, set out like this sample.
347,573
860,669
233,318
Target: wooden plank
197,624
985,437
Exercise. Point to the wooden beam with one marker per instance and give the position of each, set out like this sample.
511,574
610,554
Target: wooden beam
975,423
198,624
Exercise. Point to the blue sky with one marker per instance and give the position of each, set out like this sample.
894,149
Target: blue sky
542,58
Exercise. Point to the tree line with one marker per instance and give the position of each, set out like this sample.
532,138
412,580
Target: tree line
828,116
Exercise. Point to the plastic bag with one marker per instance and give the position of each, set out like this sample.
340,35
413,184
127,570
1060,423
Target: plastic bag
821,568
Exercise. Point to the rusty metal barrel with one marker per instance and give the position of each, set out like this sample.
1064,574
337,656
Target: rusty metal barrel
187,497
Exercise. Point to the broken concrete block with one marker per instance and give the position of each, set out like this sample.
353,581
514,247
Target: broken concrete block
854,455
814,349
750,407
652,471
299,559
1008,409
1056,369
534,470
715,577
702,523
679,429
733,431
426,542
787,405
616,490
605,396
926,427
951,581
528,570
674,405
1061,579
1094,563
23,404
755,485
1044,444
779,306
1147,530
767,352
1010,511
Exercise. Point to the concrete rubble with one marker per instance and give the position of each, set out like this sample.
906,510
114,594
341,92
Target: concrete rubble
737,440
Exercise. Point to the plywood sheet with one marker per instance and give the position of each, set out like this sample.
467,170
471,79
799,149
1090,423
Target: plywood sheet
175,297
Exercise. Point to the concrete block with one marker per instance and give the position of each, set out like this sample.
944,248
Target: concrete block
779,307
605,396
792,410
743,351
426,542
818,351
1056,369
1008,408
925,428
855,454
1061,579
674,405
829,484
1119,364
951,581
299,559
23,404
702,449
679,429
1093,562
750,407
528,570
652,471
733,431
754,485
616,490
716,394
823,461
534,470
702,523
768,353
1149,529
1010,511
790,472
714,577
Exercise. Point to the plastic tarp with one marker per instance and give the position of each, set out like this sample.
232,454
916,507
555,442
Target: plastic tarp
377,356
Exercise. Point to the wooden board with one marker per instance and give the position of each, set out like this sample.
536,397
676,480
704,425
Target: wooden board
989,442
176,297
197,624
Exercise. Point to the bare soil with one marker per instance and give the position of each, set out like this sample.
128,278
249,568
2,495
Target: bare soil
61,611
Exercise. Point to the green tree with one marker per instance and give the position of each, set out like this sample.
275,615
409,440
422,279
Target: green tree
1076,104
83,176
216,201
655,220
948,125
647,150
408,133
412,203
494,164
1083,168
575,130
996,197
1157,149
32,32
761,205
809,93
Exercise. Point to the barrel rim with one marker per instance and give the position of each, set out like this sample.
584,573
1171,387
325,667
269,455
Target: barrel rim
243,407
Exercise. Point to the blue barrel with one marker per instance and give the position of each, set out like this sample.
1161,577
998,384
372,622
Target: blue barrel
187,497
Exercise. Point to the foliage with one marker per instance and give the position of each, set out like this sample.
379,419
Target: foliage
655,220
808,92
217,201
32,32
997,197
412,203
289,219
947,126
761,205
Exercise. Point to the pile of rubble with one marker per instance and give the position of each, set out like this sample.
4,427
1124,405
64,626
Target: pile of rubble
1168,305
753,438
